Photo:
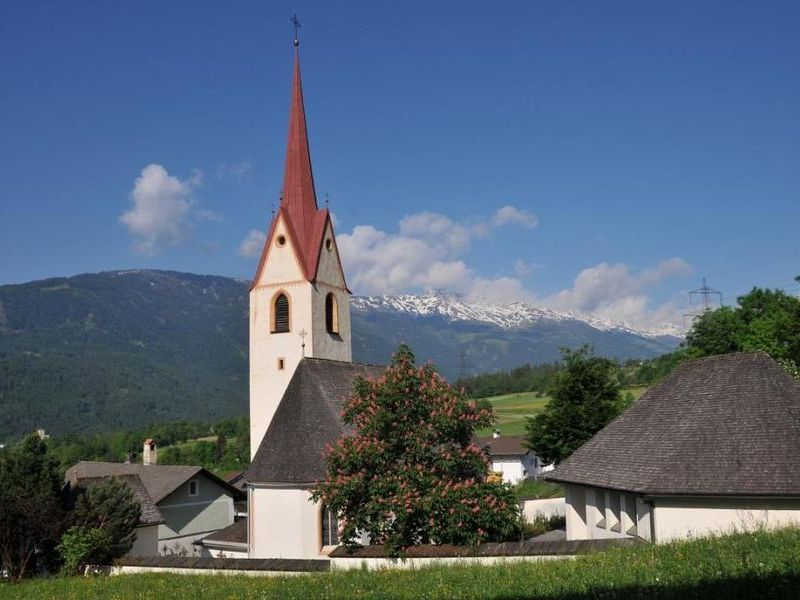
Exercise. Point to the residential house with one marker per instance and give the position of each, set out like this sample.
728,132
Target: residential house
511,458
192,502
150,518
712,448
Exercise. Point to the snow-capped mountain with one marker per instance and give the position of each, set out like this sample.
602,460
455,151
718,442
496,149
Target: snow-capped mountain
508,316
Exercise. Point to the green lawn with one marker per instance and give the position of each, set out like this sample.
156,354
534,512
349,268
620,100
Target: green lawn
753,565
512,409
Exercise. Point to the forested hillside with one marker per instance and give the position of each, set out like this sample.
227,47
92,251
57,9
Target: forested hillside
118,350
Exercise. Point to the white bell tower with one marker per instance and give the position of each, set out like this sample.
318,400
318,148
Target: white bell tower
299,301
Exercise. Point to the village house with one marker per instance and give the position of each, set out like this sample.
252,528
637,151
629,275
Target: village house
511,459
180,504
712,448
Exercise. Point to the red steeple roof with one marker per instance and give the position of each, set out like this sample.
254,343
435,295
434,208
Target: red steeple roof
298,198
305,221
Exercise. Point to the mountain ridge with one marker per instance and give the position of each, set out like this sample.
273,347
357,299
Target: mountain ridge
126,348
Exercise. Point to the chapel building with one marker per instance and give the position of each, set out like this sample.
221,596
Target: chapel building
301,368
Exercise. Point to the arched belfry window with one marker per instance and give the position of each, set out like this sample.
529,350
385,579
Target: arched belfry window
331,314
280,314
330,527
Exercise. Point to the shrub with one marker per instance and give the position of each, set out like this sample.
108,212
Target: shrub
77,547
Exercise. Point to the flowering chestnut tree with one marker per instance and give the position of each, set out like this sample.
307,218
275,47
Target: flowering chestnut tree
408,473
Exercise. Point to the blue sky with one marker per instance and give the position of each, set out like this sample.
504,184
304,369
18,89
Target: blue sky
639,145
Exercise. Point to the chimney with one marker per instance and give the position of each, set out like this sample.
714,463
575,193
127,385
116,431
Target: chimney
149,453
496,433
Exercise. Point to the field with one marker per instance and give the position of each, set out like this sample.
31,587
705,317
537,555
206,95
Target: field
513,409
751,565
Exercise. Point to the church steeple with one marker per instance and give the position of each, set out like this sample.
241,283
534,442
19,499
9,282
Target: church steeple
299,198
305,221
299,301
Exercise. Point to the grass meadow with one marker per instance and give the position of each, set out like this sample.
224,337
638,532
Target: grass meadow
747,565
512,410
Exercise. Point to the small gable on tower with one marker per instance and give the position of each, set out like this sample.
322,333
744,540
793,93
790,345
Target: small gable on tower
329,264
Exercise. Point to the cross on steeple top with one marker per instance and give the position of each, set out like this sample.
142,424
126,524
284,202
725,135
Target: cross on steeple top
296,24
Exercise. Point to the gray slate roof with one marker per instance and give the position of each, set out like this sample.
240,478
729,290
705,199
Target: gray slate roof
505,445
159,480
150,514
233,534
724,425
307,419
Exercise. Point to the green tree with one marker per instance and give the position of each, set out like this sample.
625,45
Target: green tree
409,473
31,507
584,398
764,319
219,448
104,524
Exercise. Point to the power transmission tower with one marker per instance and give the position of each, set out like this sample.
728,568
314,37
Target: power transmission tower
705,298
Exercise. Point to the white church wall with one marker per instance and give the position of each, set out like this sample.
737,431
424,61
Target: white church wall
285,524
679,518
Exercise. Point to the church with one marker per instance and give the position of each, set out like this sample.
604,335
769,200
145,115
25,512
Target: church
301,368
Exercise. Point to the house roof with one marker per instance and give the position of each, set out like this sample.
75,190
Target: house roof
159,480
236,479
505,445
308,418
233,534
150,514
725,425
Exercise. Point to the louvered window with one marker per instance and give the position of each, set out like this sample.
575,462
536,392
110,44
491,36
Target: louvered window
280,323
331,314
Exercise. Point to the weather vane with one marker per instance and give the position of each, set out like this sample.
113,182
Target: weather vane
296,23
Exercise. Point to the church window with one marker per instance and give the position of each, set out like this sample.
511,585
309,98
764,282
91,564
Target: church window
330,527
280,314
329,244
331,314
281,240
280,364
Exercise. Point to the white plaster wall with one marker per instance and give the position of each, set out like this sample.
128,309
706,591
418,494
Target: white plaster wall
146,543
588,507
576,512
284,524
326,345
512,470
380,564
678,518
267,381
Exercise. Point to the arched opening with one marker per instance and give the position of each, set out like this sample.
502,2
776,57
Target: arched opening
331,314
280,314
330,527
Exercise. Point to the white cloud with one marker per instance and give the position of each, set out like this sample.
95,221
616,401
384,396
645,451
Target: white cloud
252,244
235,171
617,293
523,268
427,253
513,215
161,211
